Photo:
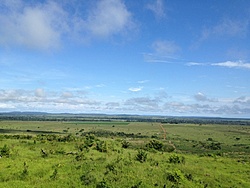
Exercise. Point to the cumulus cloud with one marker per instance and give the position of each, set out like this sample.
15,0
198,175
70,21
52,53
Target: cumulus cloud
44,25
37,26
108,17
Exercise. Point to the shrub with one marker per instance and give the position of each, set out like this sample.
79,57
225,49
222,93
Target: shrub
189,177
141,156
125,144
175,176
80,157
82,147
155,144
87,179
214,146
101,146
89,140
111,168
176,159
5,151
102,184
211,145
209,139
168,148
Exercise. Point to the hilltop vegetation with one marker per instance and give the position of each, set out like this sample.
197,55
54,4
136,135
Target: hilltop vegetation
123,154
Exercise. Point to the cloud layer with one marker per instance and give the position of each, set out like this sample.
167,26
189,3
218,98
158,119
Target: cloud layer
76,101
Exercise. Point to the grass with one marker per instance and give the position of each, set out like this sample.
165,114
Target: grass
68,159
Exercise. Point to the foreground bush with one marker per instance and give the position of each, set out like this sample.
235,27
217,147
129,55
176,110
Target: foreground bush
5,151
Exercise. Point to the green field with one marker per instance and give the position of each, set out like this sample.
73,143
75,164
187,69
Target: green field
123,154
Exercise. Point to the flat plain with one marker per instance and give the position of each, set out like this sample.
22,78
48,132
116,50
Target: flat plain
123,154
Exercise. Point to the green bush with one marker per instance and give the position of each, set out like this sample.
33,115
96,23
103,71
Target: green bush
5,151
176,159
141,156
111,168
80,157
89,140
125,144
168,148
101,146
83,147
175,176
87,179
155,144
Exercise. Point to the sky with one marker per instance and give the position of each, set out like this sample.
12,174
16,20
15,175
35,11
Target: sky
146,57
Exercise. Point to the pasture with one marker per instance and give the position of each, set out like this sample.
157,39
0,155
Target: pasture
123,154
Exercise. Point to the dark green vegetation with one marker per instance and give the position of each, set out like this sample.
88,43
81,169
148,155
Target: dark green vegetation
119,153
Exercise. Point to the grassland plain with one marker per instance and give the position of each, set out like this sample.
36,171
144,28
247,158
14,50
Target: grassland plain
63,154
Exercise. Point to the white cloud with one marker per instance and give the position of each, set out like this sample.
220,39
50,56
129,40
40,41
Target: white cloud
203,98
142,81
195,64
135,89
228,64
160,103
37,26
7,106
28,100
243,100
47,25
233,64
108,17
40,93
157,8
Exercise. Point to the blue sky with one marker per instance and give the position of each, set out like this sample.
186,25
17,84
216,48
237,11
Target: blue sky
154,57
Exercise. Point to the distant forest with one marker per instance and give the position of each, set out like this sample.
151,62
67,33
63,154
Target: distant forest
41,116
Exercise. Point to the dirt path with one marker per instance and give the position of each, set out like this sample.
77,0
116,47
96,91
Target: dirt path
164,131
164,136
